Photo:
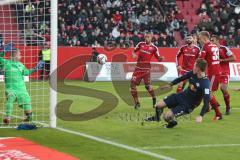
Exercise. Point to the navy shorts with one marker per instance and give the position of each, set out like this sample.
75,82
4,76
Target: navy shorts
178,106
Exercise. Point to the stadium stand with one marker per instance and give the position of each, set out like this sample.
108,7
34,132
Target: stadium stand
122,23
33,18
116,22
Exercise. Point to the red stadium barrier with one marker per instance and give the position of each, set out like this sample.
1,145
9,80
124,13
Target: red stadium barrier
66,53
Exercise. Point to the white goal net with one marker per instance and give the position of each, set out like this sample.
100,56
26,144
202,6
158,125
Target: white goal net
26,24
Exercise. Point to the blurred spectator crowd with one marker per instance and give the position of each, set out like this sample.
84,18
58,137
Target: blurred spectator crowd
222,19
121,23
33,18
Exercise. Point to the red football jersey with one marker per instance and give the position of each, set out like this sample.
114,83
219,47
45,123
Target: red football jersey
145,53
210,52
189,56
224,52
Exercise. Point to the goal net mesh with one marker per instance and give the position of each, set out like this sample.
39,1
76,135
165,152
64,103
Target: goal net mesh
27,25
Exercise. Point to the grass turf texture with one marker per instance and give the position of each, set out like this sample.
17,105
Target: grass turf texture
123,125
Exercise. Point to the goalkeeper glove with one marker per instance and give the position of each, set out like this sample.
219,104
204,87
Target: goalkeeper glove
40,65
8,47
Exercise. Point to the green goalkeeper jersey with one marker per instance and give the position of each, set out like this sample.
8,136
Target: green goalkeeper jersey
14,73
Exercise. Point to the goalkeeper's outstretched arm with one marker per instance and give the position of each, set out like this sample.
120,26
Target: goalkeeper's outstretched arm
28,72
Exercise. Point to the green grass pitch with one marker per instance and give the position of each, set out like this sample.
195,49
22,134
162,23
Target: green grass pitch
188,141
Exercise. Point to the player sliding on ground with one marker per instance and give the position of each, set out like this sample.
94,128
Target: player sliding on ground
145,51
226,56
185,102
15,88
189,53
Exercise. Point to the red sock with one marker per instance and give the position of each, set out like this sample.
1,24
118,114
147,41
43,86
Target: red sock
134,94
227,99
214,104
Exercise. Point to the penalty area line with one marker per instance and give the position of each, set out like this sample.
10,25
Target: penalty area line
119,145
191,146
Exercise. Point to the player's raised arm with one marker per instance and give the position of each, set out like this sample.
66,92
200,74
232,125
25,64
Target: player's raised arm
182,78
136,49
178,80
39,66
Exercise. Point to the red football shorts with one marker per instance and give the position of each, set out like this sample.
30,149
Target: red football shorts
224,79
215,80
140,74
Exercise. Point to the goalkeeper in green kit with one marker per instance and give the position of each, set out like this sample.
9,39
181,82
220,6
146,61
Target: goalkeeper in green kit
15,88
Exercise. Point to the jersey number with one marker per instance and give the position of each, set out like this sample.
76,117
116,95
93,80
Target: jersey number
215,51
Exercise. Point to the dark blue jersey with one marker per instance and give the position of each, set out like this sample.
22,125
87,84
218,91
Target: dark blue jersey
198,90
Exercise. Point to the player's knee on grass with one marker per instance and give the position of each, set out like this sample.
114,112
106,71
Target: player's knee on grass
168,116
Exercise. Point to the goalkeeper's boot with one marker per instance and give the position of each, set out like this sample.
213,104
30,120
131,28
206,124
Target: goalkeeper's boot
6,120
28,117
227,111
137,105
154,100
171,124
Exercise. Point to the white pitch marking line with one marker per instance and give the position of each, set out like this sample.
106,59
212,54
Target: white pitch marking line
192,146
130,148
2,138
138,150
235,108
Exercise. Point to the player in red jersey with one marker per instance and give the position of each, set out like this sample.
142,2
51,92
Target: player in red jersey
210,52
143,53
189,53
226,56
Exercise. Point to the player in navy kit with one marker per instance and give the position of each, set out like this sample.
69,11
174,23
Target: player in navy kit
185,102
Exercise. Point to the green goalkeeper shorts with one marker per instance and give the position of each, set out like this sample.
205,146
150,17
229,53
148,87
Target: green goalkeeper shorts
22,98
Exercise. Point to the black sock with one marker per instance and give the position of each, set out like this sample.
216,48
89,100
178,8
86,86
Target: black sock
158,113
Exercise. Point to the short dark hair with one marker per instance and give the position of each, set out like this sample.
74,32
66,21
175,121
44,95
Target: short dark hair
205,33
202,64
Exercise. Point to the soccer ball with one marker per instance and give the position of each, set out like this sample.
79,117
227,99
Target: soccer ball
101,58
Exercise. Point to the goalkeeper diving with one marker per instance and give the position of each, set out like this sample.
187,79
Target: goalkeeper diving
15,88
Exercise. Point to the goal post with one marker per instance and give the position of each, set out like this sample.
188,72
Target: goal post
54,57
32,26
